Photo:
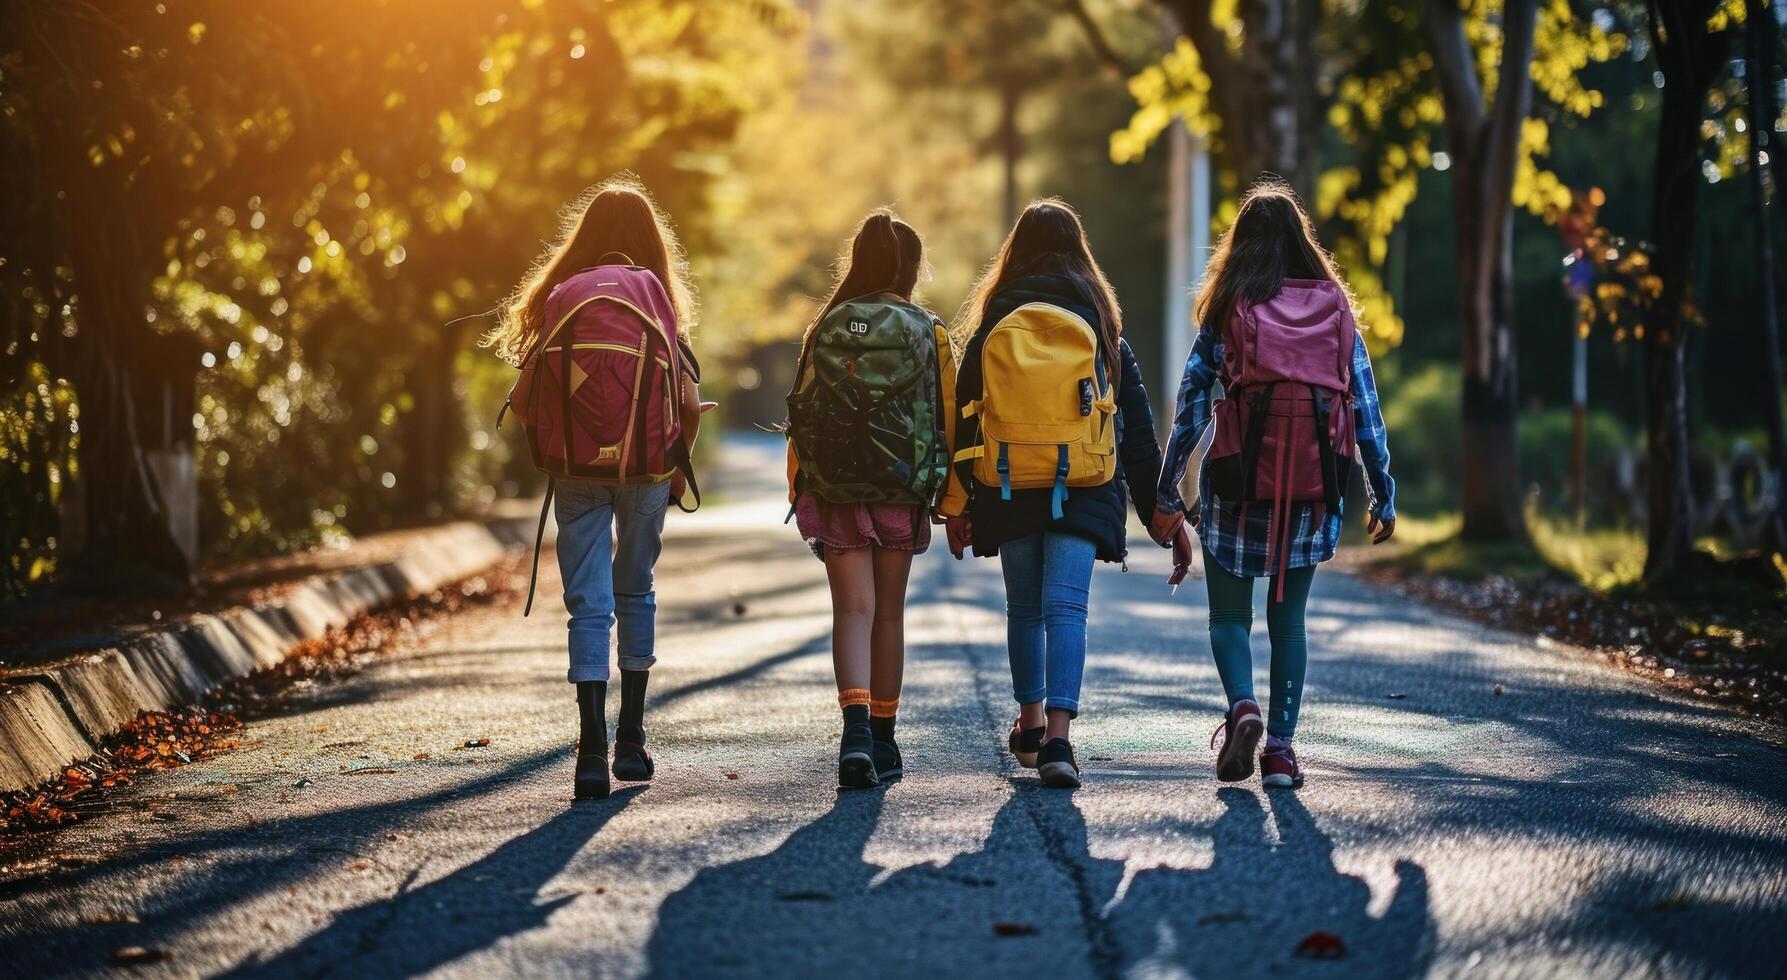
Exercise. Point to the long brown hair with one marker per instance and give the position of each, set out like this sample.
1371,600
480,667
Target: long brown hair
1271,240
886,256
617,215
1048,239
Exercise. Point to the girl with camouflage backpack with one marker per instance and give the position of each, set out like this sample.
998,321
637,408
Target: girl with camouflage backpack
868,436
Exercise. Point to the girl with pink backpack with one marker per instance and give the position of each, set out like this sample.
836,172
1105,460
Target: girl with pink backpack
1299,405
609,401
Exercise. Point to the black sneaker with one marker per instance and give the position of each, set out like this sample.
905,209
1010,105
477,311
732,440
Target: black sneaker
591,780
1025,743
856,758
1054,763
632,762
887,760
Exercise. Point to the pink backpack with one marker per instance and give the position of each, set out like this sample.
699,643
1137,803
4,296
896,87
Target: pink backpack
1284,428
599,391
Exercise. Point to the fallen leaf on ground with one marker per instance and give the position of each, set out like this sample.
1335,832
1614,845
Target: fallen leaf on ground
1013,929
301,783
133,955
732,775
109,919
420,756
1497,689
1321,946
475,743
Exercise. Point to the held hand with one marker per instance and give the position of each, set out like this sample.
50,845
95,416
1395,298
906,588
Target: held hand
1379,529
1182,554
1164,525
960,532
679,485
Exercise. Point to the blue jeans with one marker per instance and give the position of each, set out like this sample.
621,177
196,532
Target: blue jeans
608,540
1048,578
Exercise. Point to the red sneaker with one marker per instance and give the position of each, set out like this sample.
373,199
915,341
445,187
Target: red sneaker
1278,766
1241,732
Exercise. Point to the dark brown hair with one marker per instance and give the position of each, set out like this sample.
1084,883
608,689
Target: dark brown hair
1271,240
614,216
885,256
1048,239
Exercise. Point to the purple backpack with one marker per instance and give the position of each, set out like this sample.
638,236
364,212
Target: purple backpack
1284,428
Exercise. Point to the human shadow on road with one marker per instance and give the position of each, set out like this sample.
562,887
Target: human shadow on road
479,905
1250,909
1026,902
763,915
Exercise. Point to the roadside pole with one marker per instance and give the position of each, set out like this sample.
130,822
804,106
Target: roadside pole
1188,245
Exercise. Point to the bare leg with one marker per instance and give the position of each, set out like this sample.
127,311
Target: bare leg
852,576
1059,720
887,643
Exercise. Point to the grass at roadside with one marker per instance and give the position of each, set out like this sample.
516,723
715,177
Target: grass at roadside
1719,629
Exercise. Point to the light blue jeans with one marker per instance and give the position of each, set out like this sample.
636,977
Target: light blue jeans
608,540
1048,578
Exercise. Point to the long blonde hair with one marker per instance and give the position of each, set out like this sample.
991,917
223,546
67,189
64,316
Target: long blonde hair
1048,239
617,215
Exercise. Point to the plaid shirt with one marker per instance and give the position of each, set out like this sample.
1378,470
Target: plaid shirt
1236,534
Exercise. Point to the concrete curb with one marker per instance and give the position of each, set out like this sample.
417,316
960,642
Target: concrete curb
57,713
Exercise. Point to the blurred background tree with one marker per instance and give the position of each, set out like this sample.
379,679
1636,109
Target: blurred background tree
251,247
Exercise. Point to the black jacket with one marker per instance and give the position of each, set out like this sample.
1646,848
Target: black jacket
1093,513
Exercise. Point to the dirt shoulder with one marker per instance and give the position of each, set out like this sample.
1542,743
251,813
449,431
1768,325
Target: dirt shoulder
1718,632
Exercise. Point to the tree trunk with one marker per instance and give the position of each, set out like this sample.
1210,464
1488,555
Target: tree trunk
1485,143
435,430
1011,144
1759,42
127,536
1266,94
1489,494
1689,60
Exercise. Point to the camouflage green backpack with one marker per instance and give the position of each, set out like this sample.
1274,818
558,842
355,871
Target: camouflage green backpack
865,414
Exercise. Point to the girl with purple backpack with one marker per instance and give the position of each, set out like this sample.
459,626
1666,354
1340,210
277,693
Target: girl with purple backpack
608,396
1299,404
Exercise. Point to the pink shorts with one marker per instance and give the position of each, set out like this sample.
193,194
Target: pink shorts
896,527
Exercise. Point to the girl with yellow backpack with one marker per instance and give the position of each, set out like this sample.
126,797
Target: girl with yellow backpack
1053,431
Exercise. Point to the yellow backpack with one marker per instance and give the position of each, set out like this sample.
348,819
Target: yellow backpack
1046,409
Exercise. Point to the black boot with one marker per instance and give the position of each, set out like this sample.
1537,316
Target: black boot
631,760
888,765
592,741
856,750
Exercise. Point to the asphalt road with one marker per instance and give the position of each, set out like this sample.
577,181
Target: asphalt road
1578,823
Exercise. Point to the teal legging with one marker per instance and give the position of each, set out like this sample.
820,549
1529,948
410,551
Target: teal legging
1231,619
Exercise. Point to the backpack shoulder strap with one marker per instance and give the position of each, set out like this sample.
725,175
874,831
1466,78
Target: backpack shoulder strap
533,577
